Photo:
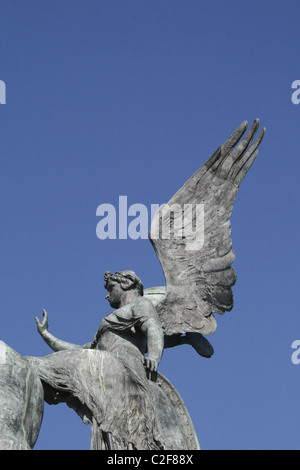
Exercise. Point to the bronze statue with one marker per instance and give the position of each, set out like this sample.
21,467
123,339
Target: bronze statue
112,382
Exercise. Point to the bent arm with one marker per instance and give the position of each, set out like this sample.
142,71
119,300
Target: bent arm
54,343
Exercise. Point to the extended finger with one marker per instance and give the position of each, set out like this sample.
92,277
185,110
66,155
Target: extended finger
45,319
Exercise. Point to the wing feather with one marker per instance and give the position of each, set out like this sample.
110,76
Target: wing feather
199,276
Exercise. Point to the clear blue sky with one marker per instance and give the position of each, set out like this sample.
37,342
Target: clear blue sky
110,98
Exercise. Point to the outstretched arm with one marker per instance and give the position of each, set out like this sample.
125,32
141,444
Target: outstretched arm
54,343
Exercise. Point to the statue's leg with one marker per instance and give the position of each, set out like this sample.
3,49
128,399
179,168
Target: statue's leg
21,401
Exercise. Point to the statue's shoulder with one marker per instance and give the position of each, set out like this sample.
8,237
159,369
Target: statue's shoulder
143,308
142,302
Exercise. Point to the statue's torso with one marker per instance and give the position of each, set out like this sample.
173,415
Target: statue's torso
120,334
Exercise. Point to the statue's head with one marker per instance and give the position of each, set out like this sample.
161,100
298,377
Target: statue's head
120,284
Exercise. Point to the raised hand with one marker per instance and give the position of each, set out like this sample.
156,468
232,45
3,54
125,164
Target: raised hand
44,325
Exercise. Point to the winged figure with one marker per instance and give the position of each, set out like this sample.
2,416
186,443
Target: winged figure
112,382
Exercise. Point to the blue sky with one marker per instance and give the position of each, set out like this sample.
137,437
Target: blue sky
110,98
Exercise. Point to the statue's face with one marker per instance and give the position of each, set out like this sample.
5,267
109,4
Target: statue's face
114,294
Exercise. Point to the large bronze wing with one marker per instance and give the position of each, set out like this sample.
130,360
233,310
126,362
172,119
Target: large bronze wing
196,256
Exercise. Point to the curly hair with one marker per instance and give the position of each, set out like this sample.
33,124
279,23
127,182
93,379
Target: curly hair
128,280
